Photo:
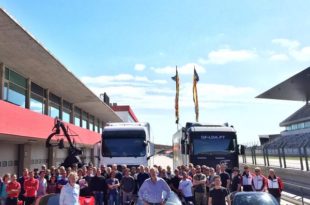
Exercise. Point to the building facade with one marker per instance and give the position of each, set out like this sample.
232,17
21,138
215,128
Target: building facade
35,88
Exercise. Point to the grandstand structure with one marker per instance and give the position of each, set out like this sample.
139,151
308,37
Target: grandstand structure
296,134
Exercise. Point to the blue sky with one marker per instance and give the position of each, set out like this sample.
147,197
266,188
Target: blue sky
129,49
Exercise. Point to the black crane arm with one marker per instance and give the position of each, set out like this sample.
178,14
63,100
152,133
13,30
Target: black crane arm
59,125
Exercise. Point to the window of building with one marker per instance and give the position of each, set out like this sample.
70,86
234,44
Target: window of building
91,123
96,126
37,98
100,127
53,110
84,120
54,105
66,111
15,87
77,116
37,103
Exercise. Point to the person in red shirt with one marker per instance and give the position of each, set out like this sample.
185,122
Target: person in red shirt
31,187
13,190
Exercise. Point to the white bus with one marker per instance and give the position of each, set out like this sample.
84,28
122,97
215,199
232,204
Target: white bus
126,143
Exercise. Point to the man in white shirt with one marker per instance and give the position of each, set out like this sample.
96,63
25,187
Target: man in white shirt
185,188
70,192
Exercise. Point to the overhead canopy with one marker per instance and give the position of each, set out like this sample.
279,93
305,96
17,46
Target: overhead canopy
23,125
25,55
296,88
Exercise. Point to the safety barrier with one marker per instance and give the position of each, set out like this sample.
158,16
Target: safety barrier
279,155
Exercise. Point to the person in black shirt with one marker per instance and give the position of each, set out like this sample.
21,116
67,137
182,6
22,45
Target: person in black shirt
236,180
118,174
142,176
175,181
219,194
21,180
98,187
225,178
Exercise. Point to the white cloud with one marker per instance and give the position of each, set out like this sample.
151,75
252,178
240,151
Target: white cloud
278,57
143,93
119,79
302,54
294,49
286,43
226,55
217,95
139,67
186,69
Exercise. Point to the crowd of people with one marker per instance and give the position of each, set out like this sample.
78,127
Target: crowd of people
199,185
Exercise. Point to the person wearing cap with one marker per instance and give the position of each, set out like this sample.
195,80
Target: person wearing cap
259,181
275,185
236,180
247,179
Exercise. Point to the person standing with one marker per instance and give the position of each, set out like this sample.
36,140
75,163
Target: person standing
259,181
21,181
225,178
151,191
3,192
275,185
199,184
185,188
31,186
13,190
62,179
219,194
247,179
98,187
42,184
118,174
236,180
127,187
175,181
69,194
142,176
51,185
169,172
113,193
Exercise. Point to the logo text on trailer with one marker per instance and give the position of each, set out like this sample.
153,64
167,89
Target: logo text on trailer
213,137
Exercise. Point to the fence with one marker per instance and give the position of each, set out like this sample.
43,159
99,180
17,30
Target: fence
281,155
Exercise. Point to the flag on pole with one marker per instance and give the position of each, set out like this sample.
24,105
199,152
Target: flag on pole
176,79
195,94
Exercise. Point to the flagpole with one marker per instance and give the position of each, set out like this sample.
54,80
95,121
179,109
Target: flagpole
176,101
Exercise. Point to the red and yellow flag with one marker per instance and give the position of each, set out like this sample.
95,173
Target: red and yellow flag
195,94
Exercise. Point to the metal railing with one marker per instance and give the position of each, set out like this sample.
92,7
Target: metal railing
301,196
280,154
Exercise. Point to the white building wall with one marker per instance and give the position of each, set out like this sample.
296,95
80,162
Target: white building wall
39,155
125,116
8,158
61,155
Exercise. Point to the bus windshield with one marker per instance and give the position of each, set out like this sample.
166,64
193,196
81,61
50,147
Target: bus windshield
206,143
124,144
